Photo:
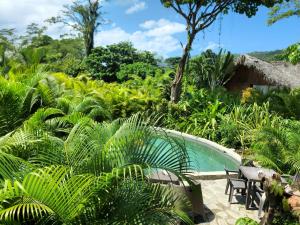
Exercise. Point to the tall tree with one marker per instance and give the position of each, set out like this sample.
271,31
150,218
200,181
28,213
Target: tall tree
284,10
6,43
84,16
35,36
200,14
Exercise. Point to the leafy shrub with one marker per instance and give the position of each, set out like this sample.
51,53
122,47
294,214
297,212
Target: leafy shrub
285,219
282,101
292,53
68,65
246,221
105,62
139,69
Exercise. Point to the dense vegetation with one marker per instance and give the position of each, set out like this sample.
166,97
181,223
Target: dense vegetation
78,134
59,159
57,127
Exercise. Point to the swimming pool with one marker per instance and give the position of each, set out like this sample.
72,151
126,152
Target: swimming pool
206,156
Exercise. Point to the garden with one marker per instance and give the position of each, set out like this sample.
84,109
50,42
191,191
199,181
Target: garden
80,126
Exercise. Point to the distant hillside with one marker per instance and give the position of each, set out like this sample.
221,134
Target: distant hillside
267,55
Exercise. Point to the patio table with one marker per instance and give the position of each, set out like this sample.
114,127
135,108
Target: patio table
251,174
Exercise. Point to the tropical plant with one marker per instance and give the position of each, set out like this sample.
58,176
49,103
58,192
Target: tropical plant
221,69
279,147
84,17
212,70
94,159
238,128
6,44
33,56
199,71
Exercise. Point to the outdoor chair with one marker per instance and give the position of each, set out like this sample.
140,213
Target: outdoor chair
228,174
234,184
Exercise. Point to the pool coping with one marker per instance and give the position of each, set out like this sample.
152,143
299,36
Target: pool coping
214,146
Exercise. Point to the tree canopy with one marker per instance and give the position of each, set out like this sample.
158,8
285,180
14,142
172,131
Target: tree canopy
84,17
105,62
284,10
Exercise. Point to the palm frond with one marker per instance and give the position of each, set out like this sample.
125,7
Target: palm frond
51,191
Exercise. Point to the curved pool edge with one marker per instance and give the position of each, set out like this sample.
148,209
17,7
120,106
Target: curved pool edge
214,146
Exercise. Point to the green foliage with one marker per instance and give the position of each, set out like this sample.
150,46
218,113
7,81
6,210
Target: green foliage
292,53
282,101
268,56
246,221
278,147
285,219
238,127
172,62
139,69
35,37
69,65
6,47
200,112
105,62
63,55
84,17
33,56
211,70
240,6
68,136
91,175
284,10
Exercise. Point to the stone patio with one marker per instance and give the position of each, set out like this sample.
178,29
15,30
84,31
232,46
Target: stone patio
218,210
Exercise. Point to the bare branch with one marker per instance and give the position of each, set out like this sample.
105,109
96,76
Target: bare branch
210,17
178,10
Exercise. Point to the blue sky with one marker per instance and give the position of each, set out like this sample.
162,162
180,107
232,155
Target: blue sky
152,27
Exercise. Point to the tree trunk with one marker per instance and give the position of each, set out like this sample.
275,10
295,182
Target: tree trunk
177,82
89,43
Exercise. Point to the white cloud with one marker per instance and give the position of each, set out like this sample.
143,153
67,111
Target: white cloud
155,36
136,7
20,13
212,45
162,27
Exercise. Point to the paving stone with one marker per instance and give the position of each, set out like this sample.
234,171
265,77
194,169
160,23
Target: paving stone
221,221
223,214
216,201
231,221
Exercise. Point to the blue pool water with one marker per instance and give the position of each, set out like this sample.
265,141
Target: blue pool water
207,159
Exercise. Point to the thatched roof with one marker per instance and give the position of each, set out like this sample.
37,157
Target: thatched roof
279,73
